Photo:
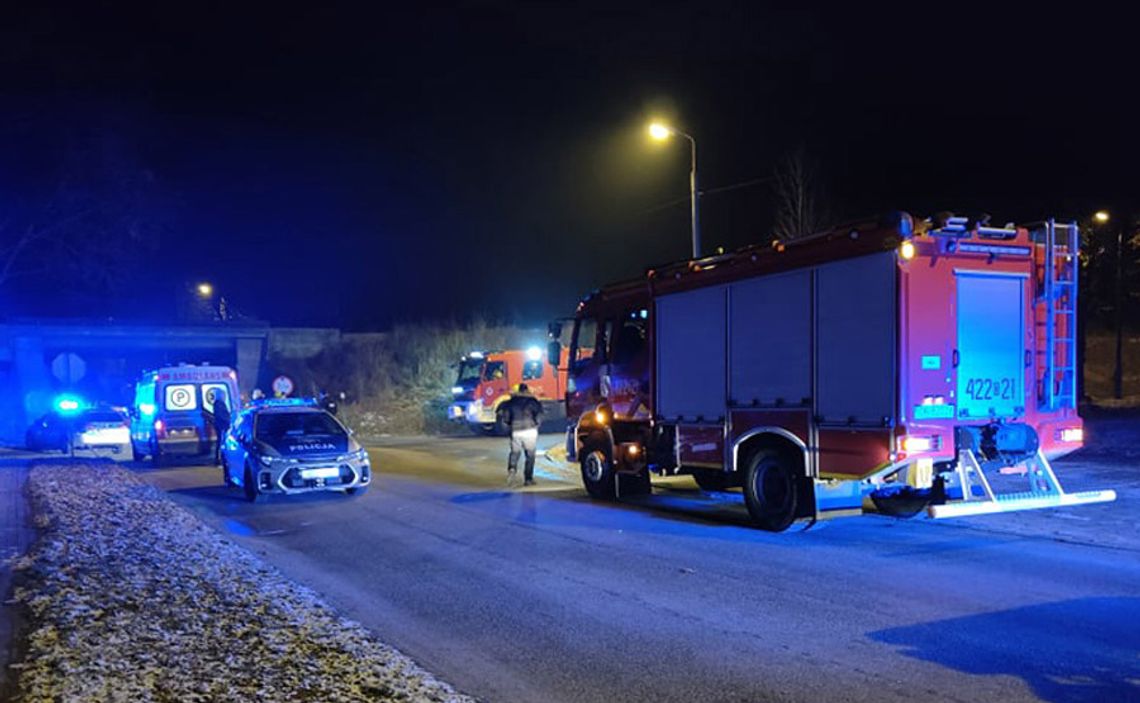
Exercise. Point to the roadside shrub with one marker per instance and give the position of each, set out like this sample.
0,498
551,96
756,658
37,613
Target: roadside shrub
399,382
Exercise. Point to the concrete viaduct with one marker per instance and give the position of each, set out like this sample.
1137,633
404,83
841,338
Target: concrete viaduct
41,358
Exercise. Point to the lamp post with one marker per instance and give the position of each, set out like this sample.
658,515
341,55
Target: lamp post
1101,217
206,292
661,132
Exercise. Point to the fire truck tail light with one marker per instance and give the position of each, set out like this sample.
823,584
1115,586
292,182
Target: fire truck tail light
918,445
1071,434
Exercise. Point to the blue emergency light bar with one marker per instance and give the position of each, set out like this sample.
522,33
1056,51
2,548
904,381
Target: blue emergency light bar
68,404
284,403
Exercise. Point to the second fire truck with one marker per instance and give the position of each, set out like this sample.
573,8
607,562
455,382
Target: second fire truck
487,378
895,364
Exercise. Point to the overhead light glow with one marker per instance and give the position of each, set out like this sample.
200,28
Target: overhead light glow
659,131
205,290
1101,216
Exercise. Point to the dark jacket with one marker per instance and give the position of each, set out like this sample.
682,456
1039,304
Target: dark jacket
522,412
221,415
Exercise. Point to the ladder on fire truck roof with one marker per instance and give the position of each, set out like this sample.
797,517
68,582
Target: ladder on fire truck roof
1062,244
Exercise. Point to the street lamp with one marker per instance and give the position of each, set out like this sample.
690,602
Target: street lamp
661,132
206,292
1101,217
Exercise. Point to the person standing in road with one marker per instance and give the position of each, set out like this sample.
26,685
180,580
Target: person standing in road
523,415
221,417
327,402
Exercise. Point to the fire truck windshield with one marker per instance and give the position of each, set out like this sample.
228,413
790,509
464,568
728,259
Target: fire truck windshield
495,370
470,371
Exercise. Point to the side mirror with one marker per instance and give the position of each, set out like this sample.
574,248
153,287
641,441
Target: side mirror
554,329
554,352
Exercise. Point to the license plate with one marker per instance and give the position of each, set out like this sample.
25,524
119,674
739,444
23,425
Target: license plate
329,472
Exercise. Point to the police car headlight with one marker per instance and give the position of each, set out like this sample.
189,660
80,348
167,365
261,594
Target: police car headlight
266,460
360,455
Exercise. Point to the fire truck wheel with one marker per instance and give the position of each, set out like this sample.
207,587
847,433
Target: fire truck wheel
598,470
770,491
713,481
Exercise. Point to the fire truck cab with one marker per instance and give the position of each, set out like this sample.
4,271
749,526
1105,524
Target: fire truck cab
892,365
487,378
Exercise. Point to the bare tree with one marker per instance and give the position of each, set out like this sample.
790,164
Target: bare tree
90,230
799,207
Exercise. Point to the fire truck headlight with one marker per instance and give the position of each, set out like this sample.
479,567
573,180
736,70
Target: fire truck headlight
1071,434
906,250
534,354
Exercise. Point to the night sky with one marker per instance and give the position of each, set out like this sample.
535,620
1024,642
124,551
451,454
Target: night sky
359,165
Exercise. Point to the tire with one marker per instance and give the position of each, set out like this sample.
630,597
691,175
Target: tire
249,487
156,459
357,491
713,481
597,466
770,491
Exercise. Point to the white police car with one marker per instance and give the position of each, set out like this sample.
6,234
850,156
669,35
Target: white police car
292,446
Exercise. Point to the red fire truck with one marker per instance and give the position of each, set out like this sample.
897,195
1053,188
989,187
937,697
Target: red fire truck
486,379
895,364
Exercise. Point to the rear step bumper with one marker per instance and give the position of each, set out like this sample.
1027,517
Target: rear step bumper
1018,501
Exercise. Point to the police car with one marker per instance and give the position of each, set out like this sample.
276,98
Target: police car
292,446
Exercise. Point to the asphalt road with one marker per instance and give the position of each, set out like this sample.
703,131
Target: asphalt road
543,595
